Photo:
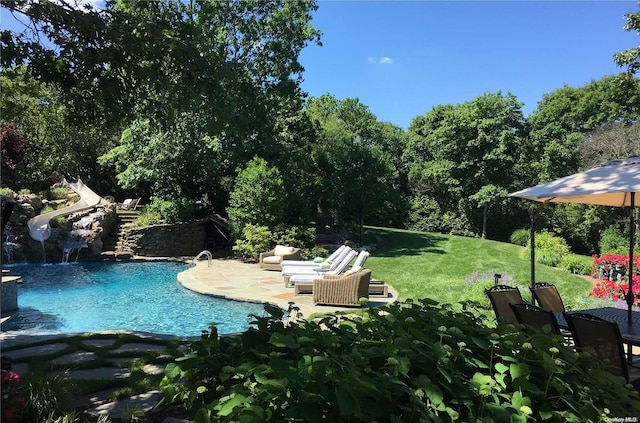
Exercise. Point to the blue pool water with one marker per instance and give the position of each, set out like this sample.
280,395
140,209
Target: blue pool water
137,296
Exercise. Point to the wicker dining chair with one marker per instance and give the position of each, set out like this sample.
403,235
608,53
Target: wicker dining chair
602,339
547,295
535,319
501,296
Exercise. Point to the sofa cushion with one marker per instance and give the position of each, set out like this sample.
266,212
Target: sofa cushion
281,250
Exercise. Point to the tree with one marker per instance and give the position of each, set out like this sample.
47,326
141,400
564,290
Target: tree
566,115
13,147
258,198
58,146
611,140
456,154
630,57
354,176
563,137
230,66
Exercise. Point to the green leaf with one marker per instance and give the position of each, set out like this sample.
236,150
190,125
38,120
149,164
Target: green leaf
501,368
280,340
346,402
518,370
434,394
203,415
172,371
235,401
516,400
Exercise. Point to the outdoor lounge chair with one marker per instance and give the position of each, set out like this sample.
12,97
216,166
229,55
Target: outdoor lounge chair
272,259
535,319
289,271
332,261
342,267
129,204
313,263
342,290
501,296
547,295
602,339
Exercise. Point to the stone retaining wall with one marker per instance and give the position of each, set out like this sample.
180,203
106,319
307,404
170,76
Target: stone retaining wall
180,239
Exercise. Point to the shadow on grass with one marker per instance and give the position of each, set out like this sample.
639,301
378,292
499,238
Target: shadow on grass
405,243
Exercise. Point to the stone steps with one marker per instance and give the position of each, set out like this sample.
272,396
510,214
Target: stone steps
112,245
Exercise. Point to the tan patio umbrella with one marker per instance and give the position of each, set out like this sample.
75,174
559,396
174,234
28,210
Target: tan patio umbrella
614,183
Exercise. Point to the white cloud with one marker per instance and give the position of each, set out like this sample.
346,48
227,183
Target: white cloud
380,60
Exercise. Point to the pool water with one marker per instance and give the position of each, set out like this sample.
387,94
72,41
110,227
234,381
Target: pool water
136,296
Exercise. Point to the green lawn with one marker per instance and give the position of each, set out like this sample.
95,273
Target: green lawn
437,266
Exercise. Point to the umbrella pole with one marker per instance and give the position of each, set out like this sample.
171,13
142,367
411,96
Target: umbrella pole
632,236
533,218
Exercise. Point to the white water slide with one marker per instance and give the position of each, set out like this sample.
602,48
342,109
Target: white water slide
39,227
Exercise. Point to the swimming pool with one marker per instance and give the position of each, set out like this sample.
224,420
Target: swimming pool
136,296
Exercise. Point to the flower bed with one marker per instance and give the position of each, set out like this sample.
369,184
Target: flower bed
612,271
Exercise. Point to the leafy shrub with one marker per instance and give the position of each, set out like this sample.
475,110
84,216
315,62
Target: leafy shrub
57,221
424,215
576,264
296,236
550,249
46,397
312,253
7,192
58,193
255,240
520,237
24,191
457,225
608,266
258,198
548,257
170,211
404,362
612,241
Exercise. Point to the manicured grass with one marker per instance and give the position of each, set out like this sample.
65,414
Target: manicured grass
442,267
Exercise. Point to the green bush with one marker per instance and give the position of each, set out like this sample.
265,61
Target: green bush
613,241
258,198
24,191
57,194
8,192
312,253
255,240
147,218
404,362
166,211
57,221
45,397
295,236
550,249
520,237
578,265
424,215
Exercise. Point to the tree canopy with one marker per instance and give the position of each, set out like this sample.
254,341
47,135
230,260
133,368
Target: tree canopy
175,99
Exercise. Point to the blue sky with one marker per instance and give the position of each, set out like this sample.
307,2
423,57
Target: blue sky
401,58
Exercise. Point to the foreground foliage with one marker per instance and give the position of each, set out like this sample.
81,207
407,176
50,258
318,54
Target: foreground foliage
409,362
